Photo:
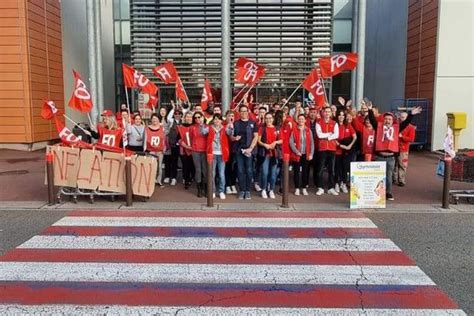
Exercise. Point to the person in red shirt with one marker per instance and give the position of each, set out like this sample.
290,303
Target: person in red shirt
406,137
155,144
230,166
199,146
302,147
347,138
108,133
184,141
327,131
269,142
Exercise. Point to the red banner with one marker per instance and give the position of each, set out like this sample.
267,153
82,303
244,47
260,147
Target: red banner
314,84
335,64
152,101
248,71
49,110
206,95
134,79
180,92
81,97
166,72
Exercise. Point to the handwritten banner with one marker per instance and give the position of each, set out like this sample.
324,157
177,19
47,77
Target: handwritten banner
105,171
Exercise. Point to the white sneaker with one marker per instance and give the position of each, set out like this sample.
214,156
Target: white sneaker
336,187
344,188
332,192
297,192
264,194
228,190
257,187
320,191
173,181
167,180
222,196
305,192
271,194
234,190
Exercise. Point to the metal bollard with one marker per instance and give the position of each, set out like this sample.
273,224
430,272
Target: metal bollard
50,178
210,181
285,180
448,161
128,181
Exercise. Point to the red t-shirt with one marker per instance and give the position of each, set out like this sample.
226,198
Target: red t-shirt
271,135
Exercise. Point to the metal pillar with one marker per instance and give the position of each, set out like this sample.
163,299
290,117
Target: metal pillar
355,26
361,50
225,70
98,53
91,41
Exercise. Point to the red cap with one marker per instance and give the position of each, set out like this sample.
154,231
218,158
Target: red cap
107,113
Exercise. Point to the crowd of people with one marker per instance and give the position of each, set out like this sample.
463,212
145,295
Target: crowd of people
248,144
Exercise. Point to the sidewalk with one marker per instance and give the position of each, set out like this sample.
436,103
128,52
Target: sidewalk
22,186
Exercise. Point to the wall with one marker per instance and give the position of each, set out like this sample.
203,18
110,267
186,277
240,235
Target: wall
385,50
30,68
454,77
421,52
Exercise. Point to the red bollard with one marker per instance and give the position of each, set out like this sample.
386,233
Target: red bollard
285,180
50,177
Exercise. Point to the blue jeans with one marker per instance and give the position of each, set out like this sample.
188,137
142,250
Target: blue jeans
269,171
245,170
220,164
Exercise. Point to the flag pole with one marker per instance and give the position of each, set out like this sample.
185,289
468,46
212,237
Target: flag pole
324,87
90,120
291,95
128,105
75,124
244,97
242,89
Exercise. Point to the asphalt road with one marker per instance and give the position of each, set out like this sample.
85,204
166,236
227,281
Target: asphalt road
441,244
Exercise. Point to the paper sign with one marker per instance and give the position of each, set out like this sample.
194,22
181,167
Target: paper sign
368,183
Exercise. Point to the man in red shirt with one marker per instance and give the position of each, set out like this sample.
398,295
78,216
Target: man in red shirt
406,137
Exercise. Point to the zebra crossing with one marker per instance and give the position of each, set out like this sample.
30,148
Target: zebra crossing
215,263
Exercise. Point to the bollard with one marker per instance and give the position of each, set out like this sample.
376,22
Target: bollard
285,180
447,181
210,181
128,181
50,178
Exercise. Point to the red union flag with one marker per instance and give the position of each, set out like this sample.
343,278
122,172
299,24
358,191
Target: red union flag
313,83
180,92
335,64
248,71
152,101
134,79
206,95
49,110
81,97
166,72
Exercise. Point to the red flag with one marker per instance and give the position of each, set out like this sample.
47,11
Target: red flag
180,92
49,110
134,79
248,71
206,95
80,98
128,76
166,72
67,137
314,84
152,101
335,64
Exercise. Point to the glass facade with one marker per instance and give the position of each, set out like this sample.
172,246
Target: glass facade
287,36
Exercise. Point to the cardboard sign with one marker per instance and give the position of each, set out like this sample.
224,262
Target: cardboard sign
368,180
105,171
143,175
113,166
65,164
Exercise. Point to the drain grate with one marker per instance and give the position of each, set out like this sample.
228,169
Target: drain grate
13,172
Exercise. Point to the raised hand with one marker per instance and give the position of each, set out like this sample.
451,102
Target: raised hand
416,110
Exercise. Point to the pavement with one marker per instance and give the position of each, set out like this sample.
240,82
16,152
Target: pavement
22,185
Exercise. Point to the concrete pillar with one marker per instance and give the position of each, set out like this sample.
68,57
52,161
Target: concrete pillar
225,70
355,21
361,51
98,54
91,41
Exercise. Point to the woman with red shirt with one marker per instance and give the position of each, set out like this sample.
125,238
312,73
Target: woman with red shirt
269,142
199,146
155,144
185,154
345,141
